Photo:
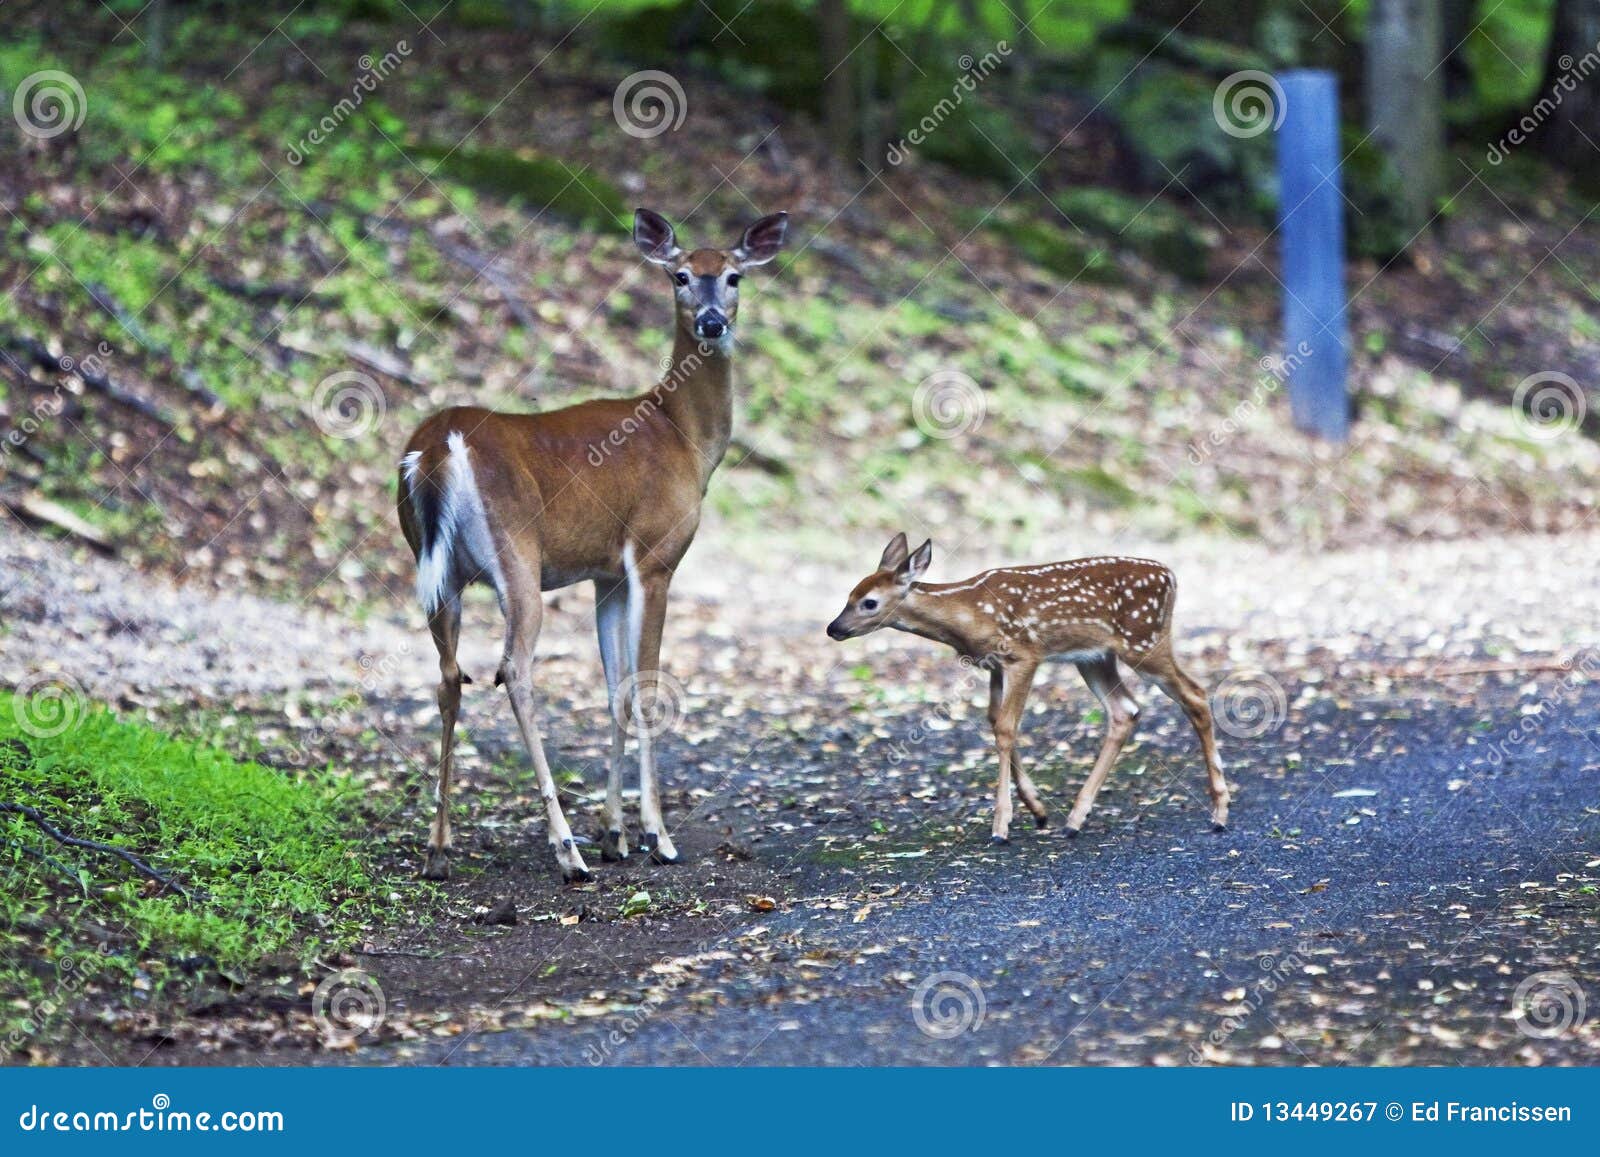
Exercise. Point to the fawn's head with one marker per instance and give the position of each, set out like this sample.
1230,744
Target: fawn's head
876,598
705,282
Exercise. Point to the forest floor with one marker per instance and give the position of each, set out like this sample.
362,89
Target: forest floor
1398,864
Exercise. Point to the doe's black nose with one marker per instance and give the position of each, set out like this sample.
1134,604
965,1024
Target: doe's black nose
712,325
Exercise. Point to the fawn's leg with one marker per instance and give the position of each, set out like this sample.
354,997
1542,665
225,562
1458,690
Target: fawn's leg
445,626
524,610
611,623
1025,787
647,615
1008,694
1163,669
1122,711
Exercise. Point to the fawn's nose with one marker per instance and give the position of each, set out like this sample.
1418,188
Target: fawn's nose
710,324
836,632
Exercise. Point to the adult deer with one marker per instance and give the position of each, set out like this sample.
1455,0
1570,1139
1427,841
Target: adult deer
1093,612
606,491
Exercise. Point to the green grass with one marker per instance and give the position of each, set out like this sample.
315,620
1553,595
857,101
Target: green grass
260,853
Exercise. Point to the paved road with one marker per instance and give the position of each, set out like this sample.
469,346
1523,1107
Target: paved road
1326,927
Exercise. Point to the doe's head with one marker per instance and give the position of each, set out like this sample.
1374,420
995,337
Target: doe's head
705,282
875,598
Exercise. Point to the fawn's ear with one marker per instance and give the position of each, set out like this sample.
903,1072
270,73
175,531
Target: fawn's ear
914,567
895,553
652,233
762,240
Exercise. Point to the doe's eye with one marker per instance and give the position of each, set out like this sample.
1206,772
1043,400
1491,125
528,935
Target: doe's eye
681,277
869,604
733,280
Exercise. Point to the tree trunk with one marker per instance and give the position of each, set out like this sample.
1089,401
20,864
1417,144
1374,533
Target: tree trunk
1567,104
1405,98
838,89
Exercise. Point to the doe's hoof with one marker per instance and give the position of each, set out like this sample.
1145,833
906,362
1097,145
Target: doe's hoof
1041,821
1072,833
613,846
436,865
577,875
1219,826
659,848
999,841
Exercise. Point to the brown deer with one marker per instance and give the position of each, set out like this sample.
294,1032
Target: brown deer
1091,611
608,492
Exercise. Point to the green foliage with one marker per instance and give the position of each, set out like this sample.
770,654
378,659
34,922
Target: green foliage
259,852
1374,225
1150,227
1052,246
543,184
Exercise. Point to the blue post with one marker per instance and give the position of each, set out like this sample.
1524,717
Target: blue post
1311,219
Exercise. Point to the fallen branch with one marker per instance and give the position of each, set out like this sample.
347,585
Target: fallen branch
62,838
40,355
187,376
1531,666
272,291
485,267
29,506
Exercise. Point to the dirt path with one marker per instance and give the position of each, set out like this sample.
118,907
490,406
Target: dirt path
849,787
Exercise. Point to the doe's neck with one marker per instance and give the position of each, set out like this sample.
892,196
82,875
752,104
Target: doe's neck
696,393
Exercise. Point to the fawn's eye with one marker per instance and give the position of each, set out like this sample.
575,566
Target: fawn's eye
869,604
733,280
681,277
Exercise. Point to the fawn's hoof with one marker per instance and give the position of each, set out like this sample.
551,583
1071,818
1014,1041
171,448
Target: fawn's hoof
1219,825
999,841
1041,821
1072,833
613,846
436,865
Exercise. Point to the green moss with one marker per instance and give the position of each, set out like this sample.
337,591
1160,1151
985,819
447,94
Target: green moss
259,852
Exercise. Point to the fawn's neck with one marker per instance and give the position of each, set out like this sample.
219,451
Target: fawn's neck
696,394
946,619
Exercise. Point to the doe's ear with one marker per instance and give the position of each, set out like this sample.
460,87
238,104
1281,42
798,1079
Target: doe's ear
915,566
762,240
652,233
895,553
